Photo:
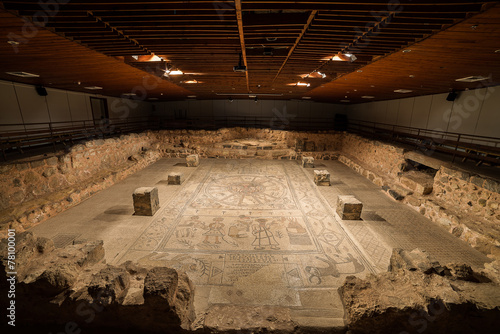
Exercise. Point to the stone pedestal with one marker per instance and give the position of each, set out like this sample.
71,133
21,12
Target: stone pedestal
322,177
146,201
308,162
174,178
193,160
349,207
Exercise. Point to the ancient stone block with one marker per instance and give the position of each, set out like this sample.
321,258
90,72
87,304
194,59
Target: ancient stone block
322,177
109,285
349,207
174,178
308,162
146,201
193,160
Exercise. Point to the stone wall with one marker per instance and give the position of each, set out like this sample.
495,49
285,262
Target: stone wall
384,159
419,295
55,287
466,205
31,192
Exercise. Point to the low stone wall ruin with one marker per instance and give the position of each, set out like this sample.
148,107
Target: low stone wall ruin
73,287
30,192
419,295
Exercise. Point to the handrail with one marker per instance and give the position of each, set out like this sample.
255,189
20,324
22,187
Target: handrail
475,147
39,134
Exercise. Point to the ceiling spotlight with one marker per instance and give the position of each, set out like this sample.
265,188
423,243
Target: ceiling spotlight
11,42
344,57
412,76
173,72
407,50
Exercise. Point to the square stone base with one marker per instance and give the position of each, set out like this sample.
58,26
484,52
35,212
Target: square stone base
174,178
349,207
193,160
322,177
146,201
308,162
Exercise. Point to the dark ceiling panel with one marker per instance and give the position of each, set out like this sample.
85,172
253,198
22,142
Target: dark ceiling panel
284,42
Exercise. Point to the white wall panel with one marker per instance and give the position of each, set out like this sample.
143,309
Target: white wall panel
405,111
489,119
57,101
33,106
421,110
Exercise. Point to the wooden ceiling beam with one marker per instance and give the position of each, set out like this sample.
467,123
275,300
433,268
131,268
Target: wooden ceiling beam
239,18
303,32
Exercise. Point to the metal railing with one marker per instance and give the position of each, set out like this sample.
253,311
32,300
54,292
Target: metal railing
19,137
478,148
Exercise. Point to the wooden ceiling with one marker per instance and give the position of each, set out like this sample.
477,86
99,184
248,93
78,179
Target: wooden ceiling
91,43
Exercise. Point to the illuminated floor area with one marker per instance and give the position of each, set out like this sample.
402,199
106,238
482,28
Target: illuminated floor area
255,232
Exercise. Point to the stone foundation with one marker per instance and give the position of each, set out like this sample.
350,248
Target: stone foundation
174,178
322,178
467,205
146,201
420,295
73,285
349,207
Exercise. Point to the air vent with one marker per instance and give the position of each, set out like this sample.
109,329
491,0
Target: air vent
403,91
472,79
93,87
129,95
23,74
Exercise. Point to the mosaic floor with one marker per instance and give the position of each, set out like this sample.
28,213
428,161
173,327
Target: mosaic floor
255,232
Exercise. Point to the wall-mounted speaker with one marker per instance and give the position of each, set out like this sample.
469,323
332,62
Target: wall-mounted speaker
452,96
41,90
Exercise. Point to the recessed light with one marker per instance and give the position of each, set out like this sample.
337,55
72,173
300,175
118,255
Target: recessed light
473,78
23,74
403,91
359,71
306,97
372,86
367,97
355,90
11,42
407,50
191,96
412,76
93,87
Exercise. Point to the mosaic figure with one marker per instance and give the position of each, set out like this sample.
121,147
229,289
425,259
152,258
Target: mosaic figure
215,231
316,274
263,236
241,229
